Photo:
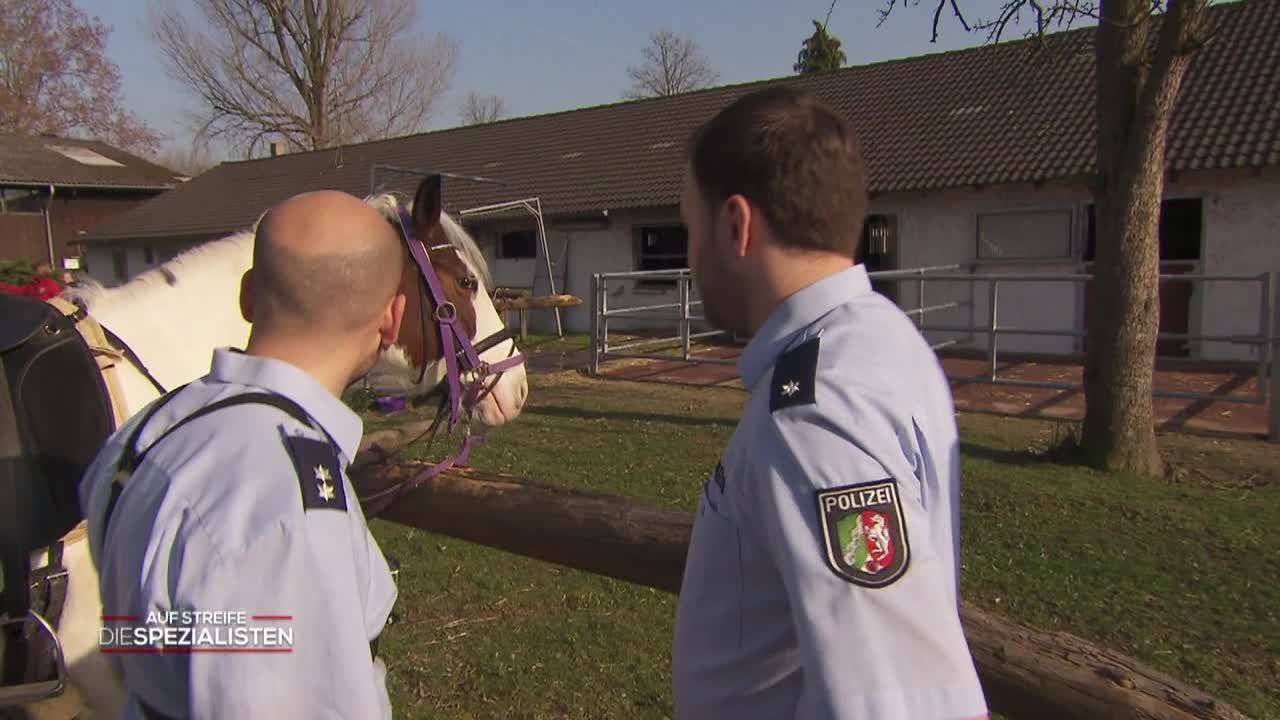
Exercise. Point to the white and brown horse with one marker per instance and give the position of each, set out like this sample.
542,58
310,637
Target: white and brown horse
165,323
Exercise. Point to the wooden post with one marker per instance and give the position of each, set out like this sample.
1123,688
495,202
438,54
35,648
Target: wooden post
1026,673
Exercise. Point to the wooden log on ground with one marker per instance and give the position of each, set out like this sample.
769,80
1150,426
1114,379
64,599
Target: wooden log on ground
596,532
1026,673
542,302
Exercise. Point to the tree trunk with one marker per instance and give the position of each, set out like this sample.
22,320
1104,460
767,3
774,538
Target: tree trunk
596,532
1025,673
1136,88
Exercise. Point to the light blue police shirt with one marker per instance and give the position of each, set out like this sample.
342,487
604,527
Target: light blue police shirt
214,519
822,575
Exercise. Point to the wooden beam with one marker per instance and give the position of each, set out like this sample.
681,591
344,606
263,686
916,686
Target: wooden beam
1026,673
543,302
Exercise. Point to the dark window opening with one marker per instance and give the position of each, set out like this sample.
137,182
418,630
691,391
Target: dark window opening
518,245
119,265
876,251
149,256
21,200
663,248
1180,224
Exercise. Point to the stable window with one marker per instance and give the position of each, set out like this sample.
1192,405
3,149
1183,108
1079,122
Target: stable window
149,256
20,201
518,245
662,248
1024,235
1179,229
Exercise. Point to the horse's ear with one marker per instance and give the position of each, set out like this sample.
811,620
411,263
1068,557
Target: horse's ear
426,205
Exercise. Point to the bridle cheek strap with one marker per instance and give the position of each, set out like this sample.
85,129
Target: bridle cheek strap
452,336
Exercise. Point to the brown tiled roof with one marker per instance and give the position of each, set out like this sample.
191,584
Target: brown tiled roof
44,160
1005,113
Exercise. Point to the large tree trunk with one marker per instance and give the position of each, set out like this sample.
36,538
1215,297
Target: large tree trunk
1025,673
1136,89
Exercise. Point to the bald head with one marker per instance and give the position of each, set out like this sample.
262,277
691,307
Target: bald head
324,262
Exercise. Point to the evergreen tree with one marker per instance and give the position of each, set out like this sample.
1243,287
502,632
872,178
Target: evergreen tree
820,51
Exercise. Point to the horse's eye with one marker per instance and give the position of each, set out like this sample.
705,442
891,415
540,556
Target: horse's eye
468,283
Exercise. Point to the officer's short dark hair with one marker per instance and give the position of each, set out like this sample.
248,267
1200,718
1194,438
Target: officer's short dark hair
795,158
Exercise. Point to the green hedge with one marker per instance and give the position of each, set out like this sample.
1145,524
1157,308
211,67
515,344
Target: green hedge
16,272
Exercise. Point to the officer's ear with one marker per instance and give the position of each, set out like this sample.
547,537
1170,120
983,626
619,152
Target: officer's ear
246,296
736,217
389,329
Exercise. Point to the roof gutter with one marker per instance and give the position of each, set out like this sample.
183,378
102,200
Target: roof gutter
48,228
83,186
201,236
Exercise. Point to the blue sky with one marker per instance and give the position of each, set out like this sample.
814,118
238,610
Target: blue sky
548,56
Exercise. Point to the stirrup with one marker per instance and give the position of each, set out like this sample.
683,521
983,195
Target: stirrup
25,693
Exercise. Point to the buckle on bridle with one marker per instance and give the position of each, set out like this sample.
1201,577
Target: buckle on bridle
446,312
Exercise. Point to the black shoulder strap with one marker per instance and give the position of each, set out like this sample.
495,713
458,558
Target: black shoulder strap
131,457
130,355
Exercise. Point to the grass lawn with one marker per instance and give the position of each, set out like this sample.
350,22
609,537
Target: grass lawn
1182,573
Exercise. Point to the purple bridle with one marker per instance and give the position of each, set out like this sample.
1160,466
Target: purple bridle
453,342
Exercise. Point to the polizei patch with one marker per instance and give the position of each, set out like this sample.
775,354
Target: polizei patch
864,532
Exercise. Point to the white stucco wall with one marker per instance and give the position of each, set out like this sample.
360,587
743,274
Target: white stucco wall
940,228
101,266
579,250
1239,236
1242,237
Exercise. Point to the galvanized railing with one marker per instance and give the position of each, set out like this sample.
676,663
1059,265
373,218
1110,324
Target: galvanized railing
660,313
1266,340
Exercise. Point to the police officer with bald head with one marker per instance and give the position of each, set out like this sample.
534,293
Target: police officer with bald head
230,495
822,576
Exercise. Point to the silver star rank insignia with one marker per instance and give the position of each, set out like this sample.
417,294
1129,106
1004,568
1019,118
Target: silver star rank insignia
318,467
322,483
795,377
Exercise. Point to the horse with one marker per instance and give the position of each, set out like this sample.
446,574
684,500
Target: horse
163,325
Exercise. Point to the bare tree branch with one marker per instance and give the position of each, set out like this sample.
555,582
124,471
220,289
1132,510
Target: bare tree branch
55,77
315,74
480,109
827,19
189,159
673,64
1060,13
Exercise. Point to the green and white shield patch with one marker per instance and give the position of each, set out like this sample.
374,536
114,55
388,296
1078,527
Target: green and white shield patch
864,533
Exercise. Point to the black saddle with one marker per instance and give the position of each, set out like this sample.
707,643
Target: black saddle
55,414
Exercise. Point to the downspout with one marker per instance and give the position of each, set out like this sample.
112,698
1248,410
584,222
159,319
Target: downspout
48,230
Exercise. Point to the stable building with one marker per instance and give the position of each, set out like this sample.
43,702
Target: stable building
978,163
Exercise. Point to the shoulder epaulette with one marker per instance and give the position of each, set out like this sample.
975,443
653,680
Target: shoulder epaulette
794,376
319,476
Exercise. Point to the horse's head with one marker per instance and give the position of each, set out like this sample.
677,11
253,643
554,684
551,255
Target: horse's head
415,364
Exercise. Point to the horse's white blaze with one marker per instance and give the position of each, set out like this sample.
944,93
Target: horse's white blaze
173,317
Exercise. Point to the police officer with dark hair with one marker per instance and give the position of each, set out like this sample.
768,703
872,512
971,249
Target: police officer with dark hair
822,577
230,495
